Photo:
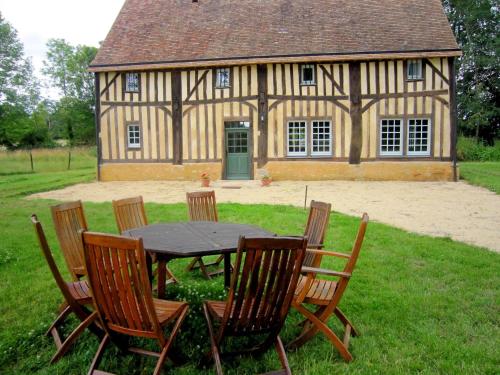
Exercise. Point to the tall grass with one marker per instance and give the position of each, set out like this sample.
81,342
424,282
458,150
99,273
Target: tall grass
468,149
46,160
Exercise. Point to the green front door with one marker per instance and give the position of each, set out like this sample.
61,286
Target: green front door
237,150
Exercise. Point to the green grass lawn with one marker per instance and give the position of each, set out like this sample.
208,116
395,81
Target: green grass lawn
46,160
423,305
485,174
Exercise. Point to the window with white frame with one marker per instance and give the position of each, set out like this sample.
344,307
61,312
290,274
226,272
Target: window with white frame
297,138
223,78
414,70
391,136
132,82
307,74
133,136
419,131
321,142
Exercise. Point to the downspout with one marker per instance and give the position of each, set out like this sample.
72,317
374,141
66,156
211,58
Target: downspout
453,115
97,88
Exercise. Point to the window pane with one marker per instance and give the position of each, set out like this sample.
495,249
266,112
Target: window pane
390,135
321,138
222,79
418,137
297,138
414,70
132,82
307,73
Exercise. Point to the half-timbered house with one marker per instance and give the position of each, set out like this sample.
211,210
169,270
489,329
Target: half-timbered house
305,89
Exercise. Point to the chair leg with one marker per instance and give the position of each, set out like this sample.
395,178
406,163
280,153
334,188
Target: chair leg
204,270
192,266
73,336
168,344
98,355
282,355
346,322
60,318
319,325
214,347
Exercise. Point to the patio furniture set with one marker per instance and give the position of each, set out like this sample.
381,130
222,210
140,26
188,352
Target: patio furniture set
111,292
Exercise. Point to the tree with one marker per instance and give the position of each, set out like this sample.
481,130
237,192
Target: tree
476,24
66,66
19,90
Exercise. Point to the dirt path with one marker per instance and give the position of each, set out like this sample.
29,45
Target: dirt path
463,212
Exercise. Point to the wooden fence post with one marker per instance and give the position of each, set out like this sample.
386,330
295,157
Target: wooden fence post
31,160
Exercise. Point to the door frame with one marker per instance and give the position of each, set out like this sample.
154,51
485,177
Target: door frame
250,145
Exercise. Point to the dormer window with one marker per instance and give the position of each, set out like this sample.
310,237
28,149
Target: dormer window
414,72
307,74
132,82
223,78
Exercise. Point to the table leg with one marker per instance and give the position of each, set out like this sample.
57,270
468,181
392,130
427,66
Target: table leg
227,270
162,273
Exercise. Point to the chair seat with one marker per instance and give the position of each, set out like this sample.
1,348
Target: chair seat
80,292
167,310
320,293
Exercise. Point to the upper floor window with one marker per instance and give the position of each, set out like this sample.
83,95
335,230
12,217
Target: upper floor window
223,78
134,136
132,82
414,69
307,74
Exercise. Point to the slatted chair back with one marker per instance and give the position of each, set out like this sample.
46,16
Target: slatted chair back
351,262
130,213
44,246
263,283
69,219
202,206
118,278
317,222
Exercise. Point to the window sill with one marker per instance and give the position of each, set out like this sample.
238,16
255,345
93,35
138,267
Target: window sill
222,88
132,92
308,84
414,80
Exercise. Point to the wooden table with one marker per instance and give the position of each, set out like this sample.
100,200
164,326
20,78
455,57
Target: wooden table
190,239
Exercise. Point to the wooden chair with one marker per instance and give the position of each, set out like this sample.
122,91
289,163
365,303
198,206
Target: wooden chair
203,207
129,214
76,296
118,278
326,295
69,219
262,286
317,222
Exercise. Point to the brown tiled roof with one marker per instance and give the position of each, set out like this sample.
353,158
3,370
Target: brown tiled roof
179,32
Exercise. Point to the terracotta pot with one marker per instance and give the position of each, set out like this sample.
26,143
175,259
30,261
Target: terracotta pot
205,182
265,182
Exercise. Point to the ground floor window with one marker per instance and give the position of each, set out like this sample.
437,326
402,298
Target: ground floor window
418,131
297,138
321,138
133,136
318,131
419,137
391,135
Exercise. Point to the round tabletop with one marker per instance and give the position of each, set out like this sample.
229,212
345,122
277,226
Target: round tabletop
195,238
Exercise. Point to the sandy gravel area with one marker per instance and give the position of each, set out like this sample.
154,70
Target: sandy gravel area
463,212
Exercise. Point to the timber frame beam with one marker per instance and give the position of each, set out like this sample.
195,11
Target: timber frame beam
356,112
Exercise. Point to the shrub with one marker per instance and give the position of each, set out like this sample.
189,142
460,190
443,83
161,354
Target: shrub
468,149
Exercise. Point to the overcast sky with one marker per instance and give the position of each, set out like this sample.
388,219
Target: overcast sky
78,21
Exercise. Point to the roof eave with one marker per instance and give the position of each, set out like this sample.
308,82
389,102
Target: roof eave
354,56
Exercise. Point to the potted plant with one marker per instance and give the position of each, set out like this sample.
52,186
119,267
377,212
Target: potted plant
265,180
205,179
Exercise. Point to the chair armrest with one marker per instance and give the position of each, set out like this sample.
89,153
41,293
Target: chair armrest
329,253
322,271
316,246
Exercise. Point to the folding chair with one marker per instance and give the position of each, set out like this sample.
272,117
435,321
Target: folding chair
119,283
202,207
129,214
326,295
69,219
76,296
262,286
